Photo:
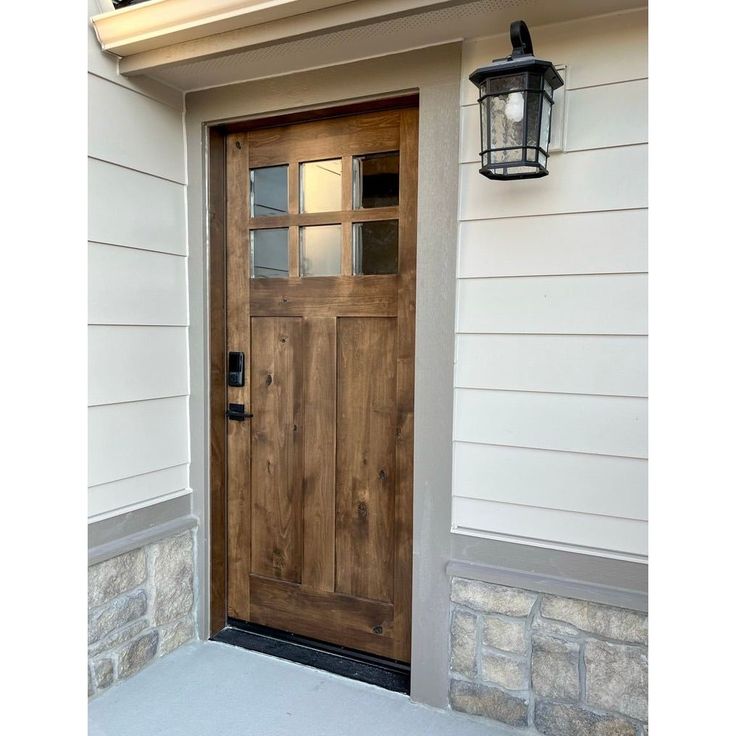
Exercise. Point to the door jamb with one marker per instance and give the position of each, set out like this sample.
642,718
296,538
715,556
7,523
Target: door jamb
216,212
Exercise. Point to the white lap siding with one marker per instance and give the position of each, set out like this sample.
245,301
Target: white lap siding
550,428
138,314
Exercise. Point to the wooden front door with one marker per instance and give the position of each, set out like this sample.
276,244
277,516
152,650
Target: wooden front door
321,250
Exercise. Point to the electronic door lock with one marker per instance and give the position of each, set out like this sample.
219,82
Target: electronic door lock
235,369
237,412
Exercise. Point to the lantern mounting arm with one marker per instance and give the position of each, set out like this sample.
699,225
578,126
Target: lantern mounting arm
521,39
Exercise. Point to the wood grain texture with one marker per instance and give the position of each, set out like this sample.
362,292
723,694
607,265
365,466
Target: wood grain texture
238,338
324,139
339,619
322,296
404,503
276,447
218,386
319,458
330,386
366,457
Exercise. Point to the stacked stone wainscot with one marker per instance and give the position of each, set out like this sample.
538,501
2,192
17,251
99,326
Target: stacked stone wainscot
140,606
544,664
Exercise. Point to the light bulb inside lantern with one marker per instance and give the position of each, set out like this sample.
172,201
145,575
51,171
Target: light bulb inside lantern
514,110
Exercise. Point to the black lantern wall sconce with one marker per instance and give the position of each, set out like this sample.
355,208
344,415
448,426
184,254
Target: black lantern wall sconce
516,97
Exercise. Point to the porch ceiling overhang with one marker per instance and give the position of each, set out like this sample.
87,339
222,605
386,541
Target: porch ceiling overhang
161,23
193,44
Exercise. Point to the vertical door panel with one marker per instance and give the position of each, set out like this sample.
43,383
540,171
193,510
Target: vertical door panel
276,447
366,456
319,461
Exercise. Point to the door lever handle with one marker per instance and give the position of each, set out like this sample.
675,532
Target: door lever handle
237,412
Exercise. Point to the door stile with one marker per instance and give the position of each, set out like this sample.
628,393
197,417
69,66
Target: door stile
238,339
403,513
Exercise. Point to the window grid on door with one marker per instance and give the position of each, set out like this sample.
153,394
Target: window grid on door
311,241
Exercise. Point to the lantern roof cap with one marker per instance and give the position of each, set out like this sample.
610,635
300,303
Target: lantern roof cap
520,60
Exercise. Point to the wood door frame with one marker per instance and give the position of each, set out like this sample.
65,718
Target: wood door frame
217,261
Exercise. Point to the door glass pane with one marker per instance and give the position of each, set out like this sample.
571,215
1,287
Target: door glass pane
320,186
376,180
319,250
376,247
269,191
269,253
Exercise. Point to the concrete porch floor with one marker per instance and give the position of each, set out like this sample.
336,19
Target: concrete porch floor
213,689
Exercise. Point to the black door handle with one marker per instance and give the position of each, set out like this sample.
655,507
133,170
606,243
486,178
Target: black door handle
237,412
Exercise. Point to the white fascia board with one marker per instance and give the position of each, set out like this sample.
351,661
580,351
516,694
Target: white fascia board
160,23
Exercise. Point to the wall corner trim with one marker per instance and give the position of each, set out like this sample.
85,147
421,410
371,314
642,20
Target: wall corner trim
555,585
139,539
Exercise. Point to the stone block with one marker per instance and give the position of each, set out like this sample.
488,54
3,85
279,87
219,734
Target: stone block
174,635
608,621
109,579
173,578
114,614
549,627
616,678
104,673
491,702
463,643
509,673
504,634
90,686
490,598
137,653
554,719
116,638
555,668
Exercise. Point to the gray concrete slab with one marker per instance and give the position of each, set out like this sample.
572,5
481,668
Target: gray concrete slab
213,689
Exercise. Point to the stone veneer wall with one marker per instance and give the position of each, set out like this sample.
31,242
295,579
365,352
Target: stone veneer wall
547,665
141,606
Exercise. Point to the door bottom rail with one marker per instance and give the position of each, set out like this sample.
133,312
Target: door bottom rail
386,673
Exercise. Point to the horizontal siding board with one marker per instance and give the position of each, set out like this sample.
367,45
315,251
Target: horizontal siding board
131,363
594,484
600,304
136,492
602,425
595,51
127,207
136,287
613,365
133,130
612,115
585,243
580,181
135,438
622,536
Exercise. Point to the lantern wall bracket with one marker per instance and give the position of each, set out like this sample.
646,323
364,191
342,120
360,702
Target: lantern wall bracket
521,39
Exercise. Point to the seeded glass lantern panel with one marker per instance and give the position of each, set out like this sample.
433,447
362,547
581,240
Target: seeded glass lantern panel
516,97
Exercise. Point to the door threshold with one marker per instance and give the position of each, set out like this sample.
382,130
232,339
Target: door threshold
386,673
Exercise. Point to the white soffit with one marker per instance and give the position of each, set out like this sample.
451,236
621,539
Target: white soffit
343,33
